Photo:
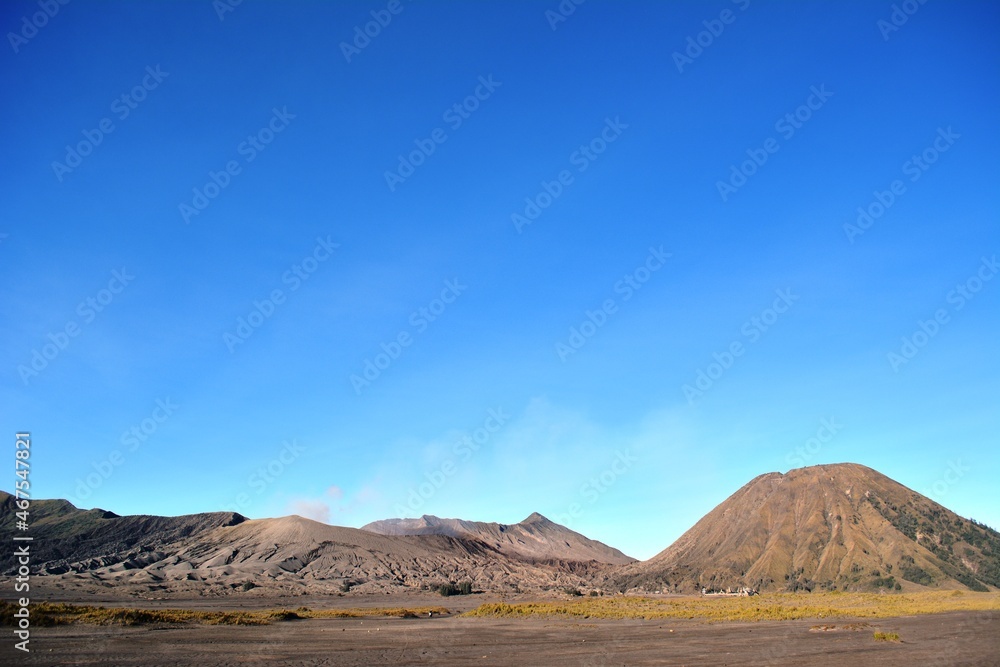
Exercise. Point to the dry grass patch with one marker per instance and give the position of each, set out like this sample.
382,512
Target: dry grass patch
886,637
398,612
769,607
47,614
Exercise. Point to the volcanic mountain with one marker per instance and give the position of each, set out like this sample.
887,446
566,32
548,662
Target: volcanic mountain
224,553
841,526
825,527
535,539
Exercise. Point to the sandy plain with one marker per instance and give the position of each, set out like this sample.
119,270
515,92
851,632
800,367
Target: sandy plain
952,638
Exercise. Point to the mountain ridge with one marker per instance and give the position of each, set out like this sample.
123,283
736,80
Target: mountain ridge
83,552
827,527
534,538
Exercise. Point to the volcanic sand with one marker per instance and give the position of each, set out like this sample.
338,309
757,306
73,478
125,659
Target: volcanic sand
953,638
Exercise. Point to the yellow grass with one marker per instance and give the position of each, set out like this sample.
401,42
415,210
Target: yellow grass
46,613
769,607
886,637
401,612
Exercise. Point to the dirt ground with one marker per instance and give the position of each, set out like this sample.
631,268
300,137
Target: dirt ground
959,638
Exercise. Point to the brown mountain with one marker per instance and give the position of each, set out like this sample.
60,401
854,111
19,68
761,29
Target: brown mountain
535,538
218,554
840,526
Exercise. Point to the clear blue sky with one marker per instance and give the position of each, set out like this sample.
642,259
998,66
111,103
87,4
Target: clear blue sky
255,156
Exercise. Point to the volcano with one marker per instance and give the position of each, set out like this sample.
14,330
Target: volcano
826,527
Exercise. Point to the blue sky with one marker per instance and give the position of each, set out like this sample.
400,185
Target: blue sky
606,268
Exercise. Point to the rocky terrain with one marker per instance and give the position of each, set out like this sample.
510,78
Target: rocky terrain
825,527
830,527
535,538
221,554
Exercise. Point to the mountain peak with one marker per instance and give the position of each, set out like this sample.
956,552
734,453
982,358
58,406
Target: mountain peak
837,526
843,467
535,538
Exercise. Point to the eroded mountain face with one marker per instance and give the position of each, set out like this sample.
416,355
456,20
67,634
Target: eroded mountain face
220,554
826,527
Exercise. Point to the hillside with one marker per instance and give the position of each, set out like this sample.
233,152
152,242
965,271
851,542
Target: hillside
825,527
535,538
220,554
828,527
67,537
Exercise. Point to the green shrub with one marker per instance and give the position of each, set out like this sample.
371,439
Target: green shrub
916,574
464,588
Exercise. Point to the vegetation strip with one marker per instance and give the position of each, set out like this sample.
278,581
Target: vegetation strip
768,607
48,613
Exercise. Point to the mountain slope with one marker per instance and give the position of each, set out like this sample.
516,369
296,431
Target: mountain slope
65,535
218,554
840,526
535,538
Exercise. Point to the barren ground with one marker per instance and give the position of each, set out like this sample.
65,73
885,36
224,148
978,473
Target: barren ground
955,638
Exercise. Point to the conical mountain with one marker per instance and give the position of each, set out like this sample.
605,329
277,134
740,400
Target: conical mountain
841,526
